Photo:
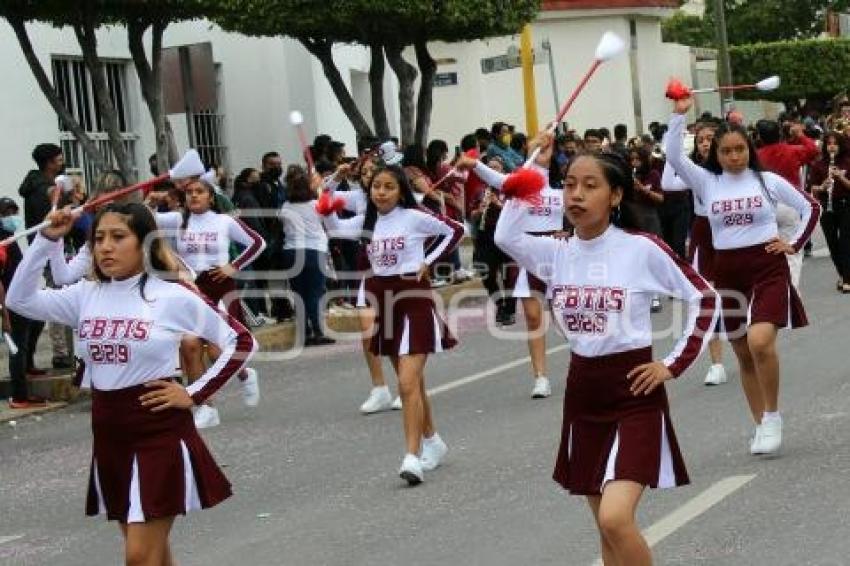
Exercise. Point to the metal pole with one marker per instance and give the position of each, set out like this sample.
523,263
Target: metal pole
727,99
527,59
548,47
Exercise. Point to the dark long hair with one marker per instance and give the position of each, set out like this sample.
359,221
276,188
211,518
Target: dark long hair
406,199
618,174
213,205
434,156
645,160
142,224
695,155
842,146
713,164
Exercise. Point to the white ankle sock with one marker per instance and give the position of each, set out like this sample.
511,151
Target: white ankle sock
431,439
767,417
381,388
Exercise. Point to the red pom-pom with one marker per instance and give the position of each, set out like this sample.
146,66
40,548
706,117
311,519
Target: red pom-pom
524,184
326,205
676,90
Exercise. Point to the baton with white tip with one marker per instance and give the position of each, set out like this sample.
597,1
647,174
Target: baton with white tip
610,45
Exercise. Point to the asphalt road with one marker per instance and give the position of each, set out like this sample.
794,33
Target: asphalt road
316,483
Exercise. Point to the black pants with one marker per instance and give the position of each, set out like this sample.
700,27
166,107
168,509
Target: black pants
836,228
675,216
25,333
495,280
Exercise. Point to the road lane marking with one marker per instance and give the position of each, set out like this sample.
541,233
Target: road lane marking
692,509
487,373
4,540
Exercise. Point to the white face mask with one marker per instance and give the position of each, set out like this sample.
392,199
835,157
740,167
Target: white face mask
12,223
419,197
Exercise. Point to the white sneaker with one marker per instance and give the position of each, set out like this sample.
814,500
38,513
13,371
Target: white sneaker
716,375
397,404
433,452
411,470
379,400
205,416
769,438
755,441
542,389
251,389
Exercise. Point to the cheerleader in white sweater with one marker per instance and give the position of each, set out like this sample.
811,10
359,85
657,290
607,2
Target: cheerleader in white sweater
750,269
545,218
203,237
402,242
149,464
617,436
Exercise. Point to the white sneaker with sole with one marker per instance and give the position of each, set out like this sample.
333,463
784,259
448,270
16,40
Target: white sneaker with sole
411,470
205,416
769,438
716,375
379,400
755,441
542,389
433,452
251,388
397,404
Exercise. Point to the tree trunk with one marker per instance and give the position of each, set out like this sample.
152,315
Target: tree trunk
150,79
376,86
88,145
321,50
406,74
425,101
109,118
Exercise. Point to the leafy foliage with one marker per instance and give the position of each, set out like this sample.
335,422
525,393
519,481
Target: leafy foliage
753,21
815,68
61,13
688,30
369,22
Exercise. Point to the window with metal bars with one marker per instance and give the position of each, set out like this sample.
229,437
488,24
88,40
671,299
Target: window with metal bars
73,85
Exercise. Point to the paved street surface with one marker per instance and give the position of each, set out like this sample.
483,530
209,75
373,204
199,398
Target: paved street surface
316,483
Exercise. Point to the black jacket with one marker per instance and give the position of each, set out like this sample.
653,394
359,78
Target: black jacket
34,189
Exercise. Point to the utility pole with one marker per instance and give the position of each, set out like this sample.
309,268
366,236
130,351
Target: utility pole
530,95
724,67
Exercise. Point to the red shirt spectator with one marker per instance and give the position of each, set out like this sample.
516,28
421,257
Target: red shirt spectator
786,158
473,188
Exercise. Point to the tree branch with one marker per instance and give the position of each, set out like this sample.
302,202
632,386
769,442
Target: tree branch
376,87
406,74
89,147
425,102
85,33
321,50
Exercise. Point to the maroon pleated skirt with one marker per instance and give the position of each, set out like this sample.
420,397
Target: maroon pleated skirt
524,284
407,321
701,248
148,465
755,286
608,434
224,290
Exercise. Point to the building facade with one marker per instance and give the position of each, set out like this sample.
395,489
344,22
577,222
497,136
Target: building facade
258,81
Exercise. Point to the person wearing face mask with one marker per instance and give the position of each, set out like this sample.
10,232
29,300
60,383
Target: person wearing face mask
500,147
19,326
35,190
271,194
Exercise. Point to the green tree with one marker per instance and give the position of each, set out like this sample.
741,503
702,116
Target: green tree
85,17
813,70
753,21
688,30
387,28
